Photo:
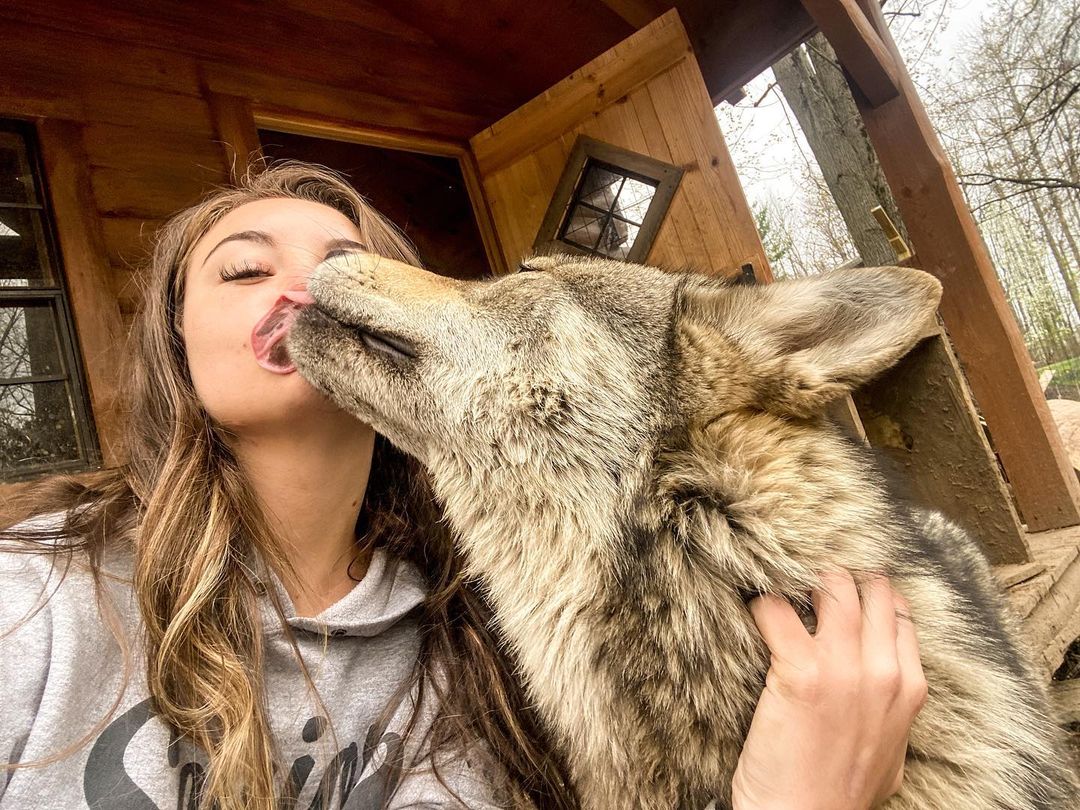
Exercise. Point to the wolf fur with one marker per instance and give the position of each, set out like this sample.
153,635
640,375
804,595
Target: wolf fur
626,453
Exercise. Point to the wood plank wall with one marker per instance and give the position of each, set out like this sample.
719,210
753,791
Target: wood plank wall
131,89
646,95
146,121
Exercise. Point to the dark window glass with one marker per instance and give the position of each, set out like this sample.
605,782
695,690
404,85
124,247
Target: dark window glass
44,417
37,427
24,257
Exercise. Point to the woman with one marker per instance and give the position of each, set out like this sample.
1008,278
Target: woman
261,608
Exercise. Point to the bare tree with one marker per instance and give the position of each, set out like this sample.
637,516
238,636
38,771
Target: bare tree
814,87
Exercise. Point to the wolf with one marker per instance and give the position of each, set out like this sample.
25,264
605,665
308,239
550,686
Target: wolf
625,453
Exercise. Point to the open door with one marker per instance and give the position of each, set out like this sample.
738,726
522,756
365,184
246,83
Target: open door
646,95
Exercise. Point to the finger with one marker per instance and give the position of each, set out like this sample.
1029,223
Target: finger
781,627
912,677
836,603
879,625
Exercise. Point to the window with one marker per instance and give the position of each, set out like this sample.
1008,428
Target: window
44,418
609,202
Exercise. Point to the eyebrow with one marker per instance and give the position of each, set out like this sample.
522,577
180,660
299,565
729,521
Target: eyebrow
263,238
344,244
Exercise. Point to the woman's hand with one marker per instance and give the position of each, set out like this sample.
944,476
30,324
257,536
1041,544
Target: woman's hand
830,730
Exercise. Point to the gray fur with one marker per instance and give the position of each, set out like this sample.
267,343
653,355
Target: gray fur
626,453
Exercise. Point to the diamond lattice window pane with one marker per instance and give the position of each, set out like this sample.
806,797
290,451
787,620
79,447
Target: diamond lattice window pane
634,200
584,227
618,239
600,187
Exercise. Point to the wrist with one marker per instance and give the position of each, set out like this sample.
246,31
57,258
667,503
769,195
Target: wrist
741,801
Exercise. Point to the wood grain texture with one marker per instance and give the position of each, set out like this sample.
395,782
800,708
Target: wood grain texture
980,322
921,421
858,46
584,92
92,301
234,124
664,112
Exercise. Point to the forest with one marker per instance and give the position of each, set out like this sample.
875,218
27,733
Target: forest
1001,82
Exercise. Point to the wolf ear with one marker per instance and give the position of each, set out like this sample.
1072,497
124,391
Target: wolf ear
805,342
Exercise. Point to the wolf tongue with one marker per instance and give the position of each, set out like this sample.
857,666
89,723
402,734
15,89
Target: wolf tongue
269,333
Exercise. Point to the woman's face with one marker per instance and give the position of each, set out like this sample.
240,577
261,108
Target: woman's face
239,271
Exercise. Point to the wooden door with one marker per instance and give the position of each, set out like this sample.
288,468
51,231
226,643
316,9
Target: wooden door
645,95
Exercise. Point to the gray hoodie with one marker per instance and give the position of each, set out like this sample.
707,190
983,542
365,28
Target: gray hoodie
61,673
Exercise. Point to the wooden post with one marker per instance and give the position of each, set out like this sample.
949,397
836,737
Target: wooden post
920,419
86,272
865,57
236,128
980,323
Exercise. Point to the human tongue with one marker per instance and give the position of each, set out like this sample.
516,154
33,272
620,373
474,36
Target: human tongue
268,336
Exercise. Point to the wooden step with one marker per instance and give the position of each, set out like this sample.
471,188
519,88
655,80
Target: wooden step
1025,594
1045,593
1010,575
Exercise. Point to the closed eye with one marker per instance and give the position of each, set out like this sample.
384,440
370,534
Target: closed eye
244,269
527,268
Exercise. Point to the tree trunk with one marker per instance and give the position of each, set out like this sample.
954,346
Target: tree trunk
817,93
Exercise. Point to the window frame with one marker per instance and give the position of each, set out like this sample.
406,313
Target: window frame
54,292
585,152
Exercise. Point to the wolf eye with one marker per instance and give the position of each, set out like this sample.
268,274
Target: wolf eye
527,268
244,269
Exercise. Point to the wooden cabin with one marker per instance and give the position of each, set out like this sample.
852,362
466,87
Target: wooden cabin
485,130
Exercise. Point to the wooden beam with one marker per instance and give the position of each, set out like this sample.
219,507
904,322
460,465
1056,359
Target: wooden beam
637,13
235,126
979,320
632,62
334,129
920,419
86,272
732,48
859,48
485,219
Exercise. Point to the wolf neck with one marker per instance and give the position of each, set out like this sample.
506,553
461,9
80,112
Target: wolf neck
785,499
578,564
529,531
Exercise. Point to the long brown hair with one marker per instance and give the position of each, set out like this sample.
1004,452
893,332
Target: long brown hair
181,501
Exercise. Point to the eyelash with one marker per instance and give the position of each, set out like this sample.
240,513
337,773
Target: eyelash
243,269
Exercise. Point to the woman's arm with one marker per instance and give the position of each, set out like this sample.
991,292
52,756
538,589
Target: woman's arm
831,728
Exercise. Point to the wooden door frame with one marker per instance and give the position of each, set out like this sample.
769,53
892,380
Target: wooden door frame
238,121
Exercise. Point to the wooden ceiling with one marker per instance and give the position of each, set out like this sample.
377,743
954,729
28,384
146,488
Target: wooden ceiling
526,48
481,58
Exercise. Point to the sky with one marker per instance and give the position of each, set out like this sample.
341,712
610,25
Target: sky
762,133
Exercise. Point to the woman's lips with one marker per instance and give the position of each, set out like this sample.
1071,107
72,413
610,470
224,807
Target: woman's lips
268,336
